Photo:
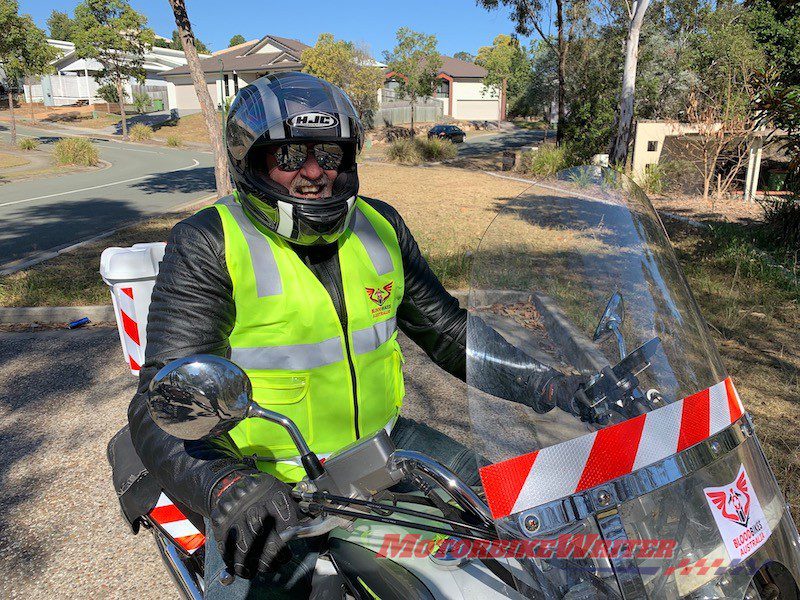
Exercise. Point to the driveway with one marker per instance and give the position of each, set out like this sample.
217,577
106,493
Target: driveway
63,394
500,141
46,214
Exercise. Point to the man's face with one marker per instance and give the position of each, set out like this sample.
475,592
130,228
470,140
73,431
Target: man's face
309,179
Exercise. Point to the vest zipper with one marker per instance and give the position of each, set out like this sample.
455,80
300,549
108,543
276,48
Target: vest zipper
344,321
353,380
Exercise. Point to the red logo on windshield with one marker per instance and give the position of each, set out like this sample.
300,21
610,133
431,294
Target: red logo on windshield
733,503
380,295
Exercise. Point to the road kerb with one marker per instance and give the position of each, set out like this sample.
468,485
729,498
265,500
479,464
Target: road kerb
103,313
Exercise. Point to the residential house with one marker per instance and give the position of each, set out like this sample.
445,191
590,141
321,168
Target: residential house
460,94
460,91
227,71
74,82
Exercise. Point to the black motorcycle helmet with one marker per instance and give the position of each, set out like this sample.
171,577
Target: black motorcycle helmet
293,107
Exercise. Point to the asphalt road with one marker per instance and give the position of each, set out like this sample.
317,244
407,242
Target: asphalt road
50,213
63,394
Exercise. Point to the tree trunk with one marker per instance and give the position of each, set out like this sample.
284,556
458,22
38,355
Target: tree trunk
413,100
223,179
618,153
11,111
121,99
504,100
562,71
30,98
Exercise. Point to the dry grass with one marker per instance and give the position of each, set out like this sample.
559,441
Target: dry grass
191,128
11,160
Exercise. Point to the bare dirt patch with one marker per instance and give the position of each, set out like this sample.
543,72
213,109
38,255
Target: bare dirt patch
728,210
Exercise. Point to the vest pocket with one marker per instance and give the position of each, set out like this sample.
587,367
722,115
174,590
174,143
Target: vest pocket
269,388
287,394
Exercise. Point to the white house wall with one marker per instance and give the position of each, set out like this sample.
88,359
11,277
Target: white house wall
470,102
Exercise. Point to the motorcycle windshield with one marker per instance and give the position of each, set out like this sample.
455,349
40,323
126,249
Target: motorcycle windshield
575,282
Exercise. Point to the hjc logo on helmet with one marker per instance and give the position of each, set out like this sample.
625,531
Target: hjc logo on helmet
314,120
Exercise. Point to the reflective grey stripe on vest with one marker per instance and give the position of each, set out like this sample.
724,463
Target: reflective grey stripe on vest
268,278
370,338
377,251
298,357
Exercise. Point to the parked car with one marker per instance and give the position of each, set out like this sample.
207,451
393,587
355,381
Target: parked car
447,132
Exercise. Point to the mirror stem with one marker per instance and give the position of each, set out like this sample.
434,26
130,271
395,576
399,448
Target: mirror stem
620,340
309,460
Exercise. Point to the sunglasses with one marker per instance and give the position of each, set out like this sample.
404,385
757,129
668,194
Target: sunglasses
290,157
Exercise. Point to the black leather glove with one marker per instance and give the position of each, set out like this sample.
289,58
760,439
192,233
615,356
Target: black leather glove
559,391
249,509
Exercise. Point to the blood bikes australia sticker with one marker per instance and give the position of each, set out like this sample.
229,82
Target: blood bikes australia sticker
739,516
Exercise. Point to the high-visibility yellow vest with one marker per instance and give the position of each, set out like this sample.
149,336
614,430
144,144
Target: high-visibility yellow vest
335,385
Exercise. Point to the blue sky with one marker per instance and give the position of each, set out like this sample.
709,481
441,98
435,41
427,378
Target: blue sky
457,24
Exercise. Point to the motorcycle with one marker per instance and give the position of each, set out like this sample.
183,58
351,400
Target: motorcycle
649,483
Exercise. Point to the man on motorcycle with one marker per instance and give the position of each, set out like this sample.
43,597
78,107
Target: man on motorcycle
303,284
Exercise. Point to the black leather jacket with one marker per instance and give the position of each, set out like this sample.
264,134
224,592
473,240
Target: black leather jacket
192,312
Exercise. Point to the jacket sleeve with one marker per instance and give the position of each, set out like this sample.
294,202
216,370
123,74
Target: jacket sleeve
428,314
433,318
191,312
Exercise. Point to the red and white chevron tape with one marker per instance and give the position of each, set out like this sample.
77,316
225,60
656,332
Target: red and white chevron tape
582,463
129,328
175,523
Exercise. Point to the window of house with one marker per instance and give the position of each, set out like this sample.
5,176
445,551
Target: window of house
227,92
652,146
235,84
443,89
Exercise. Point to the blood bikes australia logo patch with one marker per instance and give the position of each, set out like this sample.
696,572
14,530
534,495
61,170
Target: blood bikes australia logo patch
381,296
738,515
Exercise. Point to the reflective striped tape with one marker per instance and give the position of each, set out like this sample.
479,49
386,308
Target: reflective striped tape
373,244
170,518
582,463
302,357
130,329
297,357
265,267
370,338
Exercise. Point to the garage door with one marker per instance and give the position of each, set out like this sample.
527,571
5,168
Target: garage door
483,110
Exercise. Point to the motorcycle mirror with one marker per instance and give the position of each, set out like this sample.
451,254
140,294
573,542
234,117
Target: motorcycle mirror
612,317
199,396
610,322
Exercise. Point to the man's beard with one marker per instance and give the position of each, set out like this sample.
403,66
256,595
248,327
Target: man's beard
322,187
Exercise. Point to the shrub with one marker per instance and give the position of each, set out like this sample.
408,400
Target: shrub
403,151
28,144
140,132
782,216
141,102
76,151
548,160
413,152
108,92
435,149
174,141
